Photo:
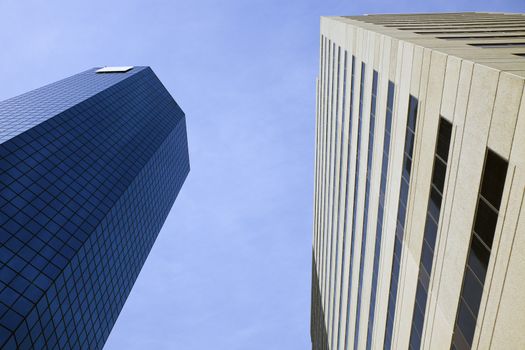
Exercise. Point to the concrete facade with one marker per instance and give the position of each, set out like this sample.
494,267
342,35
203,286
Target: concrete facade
456,127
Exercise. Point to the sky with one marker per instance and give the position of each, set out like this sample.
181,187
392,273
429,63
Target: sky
231,268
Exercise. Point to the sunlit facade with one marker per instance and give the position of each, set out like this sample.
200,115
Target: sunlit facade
419,226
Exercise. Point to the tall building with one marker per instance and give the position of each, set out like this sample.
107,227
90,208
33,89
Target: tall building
419,208
89,169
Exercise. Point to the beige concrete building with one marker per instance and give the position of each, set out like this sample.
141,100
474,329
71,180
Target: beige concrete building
419,208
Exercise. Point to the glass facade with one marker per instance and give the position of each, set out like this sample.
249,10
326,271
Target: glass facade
431,228
401,215
380,211
367,192
486,218
89,169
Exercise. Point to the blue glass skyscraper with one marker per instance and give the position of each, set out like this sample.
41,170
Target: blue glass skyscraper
89,169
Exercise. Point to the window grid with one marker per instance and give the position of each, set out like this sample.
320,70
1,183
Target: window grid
431,229
340,189
329,178
84,194
401,215
334,190
322,172
365,211
345,225
329,77
321,158
380,211
356,192
487,210
498,45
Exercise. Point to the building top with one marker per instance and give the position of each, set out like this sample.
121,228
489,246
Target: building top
496,40
21,113
118,69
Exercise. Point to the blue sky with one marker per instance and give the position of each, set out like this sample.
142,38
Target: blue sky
231,268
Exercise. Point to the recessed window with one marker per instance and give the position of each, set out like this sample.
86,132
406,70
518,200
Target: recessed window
345,221
482,37
431,230
365,211
489,200
521,26
401,216
356,192
496,45
456,31
120,69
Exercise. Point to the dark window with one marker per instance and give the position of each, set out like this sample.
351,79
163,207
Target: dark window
485,224
519,25
494,179
330,51
489,200
348,158
467,321
454,31
336,191
473,288
431,227
398,245
365,211
330,276
434,204
430,231
379,228
438,177
496,45
356,192
479,257
481,37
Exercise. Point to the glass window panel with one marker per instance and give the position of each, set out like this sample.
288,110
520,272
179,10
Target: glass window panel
479,258
421,294
458,341
434,204
430,231
415,340
443,142
418,319
494,178
485,225
379,227
407,165
438,176
403,193
401,218
466,322
472,291
390,97
412,113
427,257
